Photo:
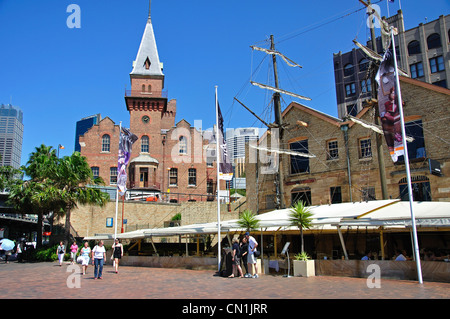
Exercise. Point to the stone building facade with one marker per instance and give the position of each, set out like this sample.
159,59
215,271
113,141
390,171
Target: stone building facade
344,166
168,156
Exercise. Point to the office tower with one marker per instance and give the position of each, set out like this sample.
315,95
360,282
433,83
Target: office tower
83,126
11,135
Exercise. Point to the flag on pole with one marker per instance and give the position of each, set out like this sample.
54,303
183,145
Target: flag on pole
126,142
388,106
225,166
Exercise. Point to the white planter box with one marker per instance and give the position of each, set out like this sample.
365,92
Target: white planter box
304,268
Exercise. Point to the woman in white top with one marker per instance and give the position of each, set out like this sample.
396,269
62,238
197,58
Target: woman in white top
98,257
61,250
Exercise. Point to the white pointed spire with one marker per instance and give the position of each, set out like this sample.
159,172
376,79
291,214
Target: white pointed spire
147,59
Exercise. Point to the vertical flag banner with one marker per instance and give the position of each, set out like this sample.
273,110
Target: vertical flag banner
225,166
126,142
388,106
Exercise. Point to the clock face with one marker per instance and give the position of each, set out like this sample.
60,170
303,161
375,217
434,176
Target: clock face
145,119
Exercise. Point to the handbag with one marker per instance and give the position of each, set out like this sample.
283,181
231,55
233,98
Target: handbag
79,259
257,253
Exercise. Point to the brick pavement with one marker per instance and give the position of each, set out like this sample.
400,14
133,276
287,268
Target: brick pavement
48,280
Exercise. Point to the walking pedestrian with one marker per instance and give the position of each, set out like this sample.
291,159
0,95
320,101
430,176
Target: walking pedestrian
117,254
251,259
98,257
85,256
73,252
61,250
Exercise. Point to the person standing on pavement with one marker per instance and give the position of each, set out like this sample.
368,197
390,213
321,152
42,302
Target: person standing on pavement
85,256
98,257
73,252
244,253
61,250
117,254
236,258
251,259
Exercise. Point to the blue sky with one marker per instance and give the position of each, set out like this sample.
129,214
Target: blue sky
58,75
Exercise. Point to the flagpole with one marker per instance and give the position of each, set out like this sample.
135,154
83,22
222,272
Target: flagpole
219,256
117,190
408,173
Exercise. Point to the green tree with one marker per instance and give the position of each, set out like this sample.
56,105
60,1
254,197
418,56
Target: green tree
301,217
9,176
248,220
73,177
38,195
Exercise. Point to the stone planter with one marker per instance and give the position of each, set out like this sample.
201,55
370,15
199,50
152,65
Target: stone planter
304,268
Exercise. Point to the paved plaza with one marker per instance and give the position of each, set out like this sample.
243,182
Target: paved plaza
48,280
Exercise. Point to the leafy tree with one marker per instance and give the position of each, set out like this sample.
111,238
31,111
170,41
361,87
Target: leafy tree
73,177
9,176
248,220
301,217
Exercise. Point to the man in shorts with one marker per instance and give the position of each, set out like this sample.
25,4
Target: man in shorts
251,259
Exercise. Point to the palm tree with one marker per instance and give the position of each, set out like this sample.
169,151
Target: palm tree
248,220
37,195
301,217
74,177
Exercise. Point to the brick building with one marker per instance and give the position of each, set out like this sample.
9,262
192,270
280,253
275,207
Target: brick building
345,163
167,155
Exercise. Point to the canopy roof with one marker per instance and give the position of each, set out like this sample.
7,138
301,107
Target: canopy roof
387,213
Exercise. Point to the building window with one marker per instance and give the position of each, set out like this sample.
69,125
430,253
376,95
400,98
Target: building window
271,202
144,144
352,110
441,83
368,193
414,47
113,175
335,195
350,89
301,194
363,65
143,87
365,148
182,145
437,64
434,41
299,164
209,187
416,70
95,171
149,88
366,86
173,177
416,148
348,69
332,150
106,144
420,187
192,179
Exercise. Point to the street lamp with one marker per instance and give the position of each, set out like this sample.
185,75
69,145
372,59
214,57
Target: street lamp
60,147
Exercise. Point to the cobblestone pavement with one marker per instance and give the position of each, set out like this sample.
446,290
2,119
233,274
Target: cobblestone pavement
49,280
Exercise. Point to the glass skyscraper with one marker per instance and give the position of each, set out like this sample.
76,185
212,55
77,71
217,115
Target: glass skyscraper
83,126
11,135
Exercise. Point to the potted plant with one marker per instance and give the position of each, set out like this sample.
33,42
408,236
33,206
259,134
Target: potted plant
303,265
301,217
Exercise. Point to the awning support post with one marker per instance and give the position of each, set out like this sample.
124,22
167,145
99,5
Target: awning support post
342,242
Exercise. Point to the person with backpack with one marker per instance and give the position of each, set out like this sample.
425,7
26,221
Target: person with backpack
236,258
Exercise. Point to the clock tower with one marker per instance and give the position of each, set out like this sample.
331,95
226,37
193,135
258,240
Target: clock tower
151,114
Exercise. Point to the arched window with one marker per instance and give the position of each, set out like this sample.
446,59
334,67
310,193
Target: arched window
106,143
434,41
363,64
149,88
414,47
143,87
348,69
182,145
144,144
